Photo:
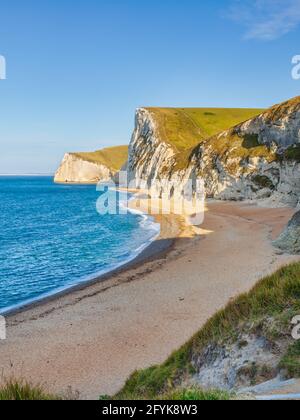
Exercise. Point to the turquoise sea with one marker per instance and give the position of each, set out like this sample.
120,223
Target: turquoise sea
52,238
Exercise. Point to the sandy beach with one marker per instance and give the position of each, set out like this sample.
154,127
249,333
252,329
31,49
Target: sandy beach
92,339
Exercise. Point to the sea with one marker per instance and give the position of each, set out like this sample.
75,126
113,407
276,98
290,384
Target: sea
52,238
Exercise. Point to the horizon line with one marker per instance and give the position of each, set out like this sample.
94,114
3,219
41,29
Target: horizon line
28,174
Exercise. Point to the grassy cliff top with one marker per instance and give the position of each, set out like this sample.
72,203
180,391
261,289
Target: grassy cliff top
184,128
112,157
279,111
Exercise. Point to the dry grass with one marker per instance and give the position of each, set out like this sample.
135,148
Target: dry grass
15,390
184,128
112,157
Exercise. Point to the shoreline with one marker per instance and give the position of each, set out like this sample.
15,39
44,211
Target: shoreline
92,339
159,246
146,255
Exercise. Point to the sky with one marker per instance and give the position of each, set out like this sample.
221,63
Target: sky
77,70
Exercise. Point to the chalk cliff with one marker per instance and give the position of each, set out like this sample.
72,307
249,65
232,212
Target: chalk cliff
91,167
255,160
74,169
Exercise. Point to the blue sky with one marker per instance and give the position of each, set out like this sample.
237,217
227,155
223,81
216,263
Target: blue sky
76,70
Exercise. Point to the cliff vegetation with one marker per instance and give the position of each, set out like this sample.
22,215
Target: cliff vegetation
258,321
112,157
185,128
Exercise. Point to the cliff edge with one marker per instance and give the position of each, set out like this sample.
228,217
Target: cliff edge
90,168
256,159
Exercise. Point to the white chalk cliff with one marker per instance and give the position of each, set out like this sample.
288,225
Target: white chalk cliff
91,167
256,160
76,170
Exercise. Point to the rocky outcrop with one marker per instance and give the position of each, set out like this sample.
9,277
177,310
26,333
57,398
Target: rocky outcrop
254,173
289,240
279,126
76,170
238,364
256,160
148,154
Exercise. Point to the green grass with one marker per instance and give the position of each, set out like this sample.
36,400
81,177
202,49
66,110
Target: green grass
293,153
184,128
185,394
280,111
22,391
112,157
234,146
229,145
263,181
250,141
276,297
196,394
291,361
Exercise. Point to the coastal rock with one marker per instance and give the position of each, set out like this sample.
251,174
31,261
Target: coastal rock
74,169
232,366
147,153
279,125
92,167
255,160
289,240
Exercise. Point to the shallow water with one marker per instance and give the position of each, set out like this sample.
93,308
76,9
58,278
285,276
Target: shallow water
52,238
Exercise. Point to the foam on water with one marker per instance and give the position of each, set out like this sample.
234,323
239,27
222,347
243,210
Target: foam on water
52,238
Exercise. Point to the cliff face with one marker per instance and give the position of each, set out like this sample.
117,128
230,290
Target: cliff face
91,167
147,153
289,240
280,125
74,169
257,159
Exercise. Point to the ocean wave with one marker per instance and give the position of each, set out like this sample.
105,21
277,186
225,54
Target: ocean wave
146,224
